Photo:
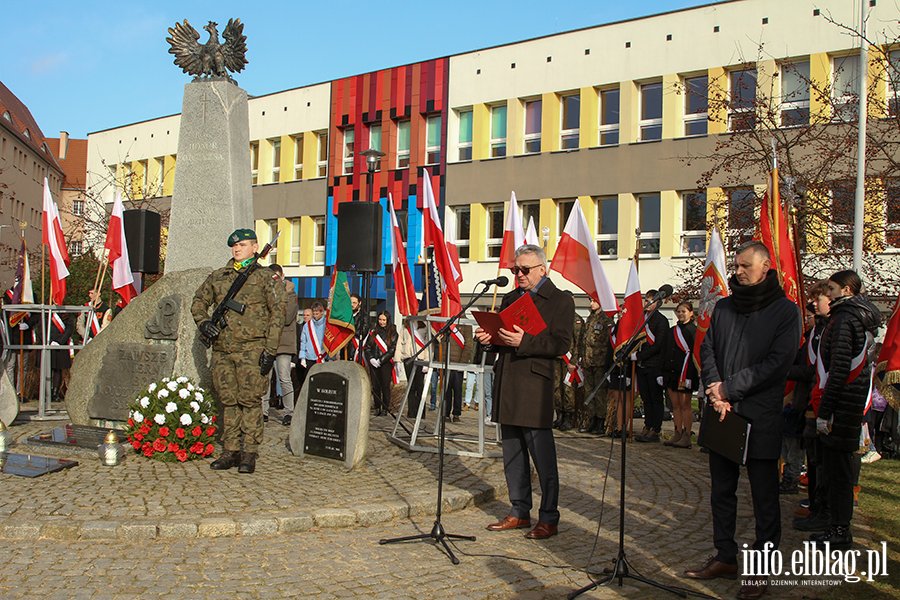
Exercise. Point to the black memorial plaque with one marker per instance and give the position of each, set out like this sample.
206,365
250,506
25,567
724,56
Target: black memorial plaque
128,369
27,465
326,416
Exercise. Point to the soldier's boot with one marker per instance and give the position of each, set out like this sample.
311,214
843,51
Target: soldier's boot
248,462
600,427
589,426
226,460
558,420
566,424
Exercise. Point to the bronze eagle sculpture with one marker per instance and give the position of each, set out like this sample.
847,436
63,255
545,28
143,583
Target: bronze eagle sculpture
212,58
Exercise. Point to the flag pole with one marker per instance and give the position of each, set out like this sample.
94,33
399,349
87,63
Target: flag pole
43,275
494,299
794,229
99,268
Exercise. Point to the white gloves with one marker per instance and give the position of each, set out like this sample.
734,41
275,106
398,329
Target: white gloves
293,365
634,356
822,426
303,362
659,381
375,362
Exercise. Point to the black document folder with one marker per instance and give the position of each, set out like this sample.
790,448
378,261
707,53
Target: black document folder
728,437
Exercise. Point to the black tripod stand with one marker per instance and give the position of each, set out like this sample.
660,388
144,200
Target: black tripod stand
622,567
438,534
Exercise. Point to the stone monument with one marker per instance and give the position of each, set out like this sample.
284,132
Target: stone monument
9,402
331,419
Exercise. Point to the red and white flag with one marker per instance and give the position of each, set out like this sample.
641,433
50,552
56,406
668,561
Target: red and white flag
633,313
54,240
713,287
513,234
122,278
531,236
434,236
576,259
407,302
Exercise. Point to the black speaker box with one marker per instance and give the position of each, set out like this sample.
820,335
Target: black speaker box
142,236
359,237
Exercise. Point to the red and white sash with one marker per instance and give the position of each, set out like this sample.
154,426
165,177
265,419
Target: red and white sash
458,336
316,344
683,346
857,364
651,339
576,376
380,343
58,322
394,379
415,334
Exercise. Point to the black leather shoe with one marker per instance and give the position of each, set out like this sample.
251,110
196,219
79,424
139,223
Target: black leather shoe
248,462
286,421
589,427
566,424
226,461
599,428
814,522
837,536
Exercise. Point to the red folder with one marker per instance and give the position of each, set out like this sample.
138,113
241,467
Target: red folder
522,312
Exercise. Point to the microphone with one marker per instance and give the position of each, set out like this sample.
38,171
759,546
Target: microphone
664,292
502,281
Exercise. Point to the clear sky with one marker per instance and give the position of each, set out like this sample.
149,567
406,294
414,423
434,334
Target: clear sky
83,67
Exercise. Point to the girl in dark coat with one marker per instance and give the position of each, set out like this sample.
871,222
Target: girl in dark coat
380,352
843,348
680,374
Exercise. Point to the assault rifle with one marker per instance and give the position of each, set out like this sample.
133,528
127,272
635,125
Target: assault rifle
217,319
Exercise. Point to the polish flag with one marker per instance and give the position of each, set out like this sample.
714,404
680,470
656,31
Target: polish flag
633,313
434,236
531,236
513,234
53,238
775,234
407,302
122,278
576,259
713,287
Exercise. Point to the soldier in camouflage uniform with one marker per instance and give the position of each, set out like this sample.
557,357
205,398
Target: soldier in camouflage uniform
564,395
593,351
244,351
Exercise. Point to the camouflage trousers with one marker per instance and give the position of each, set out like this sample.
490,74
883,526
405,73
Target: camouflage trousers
240,387
563,395
597,406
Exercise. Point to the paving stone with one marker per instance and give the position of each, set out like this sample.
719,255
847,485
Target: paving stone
217,527
99,530
334,517
177,529
258,526
137,531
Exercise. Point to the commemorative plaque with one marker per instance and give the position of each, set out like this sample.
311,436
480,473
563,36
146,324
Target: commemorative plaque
127,369
326,416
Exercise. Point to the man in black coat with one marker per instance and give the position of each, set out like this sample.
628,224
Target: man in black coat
745,358
523,393
649,370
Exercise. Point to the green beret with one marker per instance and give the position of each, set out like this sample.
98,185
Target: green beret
240,235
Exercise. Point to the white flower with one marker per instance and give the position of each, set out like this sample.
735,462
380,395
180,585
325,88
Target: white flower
138,417
145,402
163,393
183,393
159,419
181,379
172,386
200,389
152,387
186,419
198,396
171,407
165,379
190,387
204,419
195,406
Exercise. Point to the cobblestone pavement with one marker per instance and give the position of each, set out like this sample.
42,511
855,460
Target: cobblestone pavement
667,526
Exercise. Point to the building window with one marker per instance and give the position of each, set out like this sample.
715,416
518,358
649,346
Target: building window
78,207
322,153
273,231
843,197
432,140
742,113
254,162
648,222
609,117
498,131
696,90
276,160
319,241
795,94
571,120
651,112
563,209
607,236
465,135
846,87
298,157
533,111
741,216
403,145
495,225
531,210
893,77
295,241
348,152
693,223
463,231
892,214
76,248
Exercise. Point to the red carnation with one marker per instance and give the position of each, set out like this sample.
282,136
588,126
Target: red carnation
148,449
181,455
130,422
173,447
136,445
212,420
197,448
138,436
145,429
210,430
159,445
164,431
196,431
180,433
209,450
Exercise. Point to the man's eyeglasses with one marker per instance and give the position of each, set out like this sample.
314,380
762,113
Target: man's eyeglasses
524,270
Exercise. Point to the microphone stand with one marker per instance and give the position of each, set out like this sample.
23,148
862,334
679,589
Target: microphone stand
438,534
621,568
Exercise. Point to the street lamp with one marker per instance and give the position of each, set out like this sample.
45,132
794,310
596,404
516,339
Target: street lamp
373,159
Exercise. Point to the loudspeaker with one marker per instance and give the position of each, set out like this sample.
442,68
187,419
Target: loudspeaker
359,237
142,236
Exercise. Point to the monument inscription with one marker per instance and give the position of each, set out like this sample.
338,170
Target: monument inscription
127,370
326,416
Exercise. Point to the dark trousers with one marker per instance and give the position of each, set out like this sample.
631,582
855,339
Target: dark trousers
764,478
415,379
454,392
839,469
299,378
518,444
651,396
381,384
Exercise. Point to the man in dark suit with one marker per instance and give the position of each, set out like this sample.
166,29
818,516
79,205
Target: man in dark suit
745,357
523,393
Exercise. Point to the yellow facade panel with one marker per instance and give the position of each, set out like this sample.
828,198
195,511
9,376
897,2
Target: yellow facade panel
672,106
820,79
589,118
169,175
669,223
629,93
717,114
548,219
550,122
481,131
477,232
628,215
